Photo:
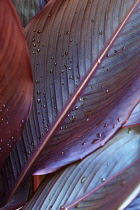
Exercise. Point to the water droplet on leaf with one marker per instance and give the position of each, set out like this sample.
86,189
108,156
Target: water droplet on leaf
103,179
38,100
83,179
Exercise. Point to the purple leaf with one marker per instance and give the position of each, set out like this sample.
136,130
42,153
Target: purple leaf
86,82
104,179
15,78
20,197
27,9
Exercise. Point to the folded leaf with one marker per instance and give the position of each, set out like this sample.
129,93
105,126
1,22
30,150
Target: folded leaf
104,179
27,9
134,118
86,82
15,80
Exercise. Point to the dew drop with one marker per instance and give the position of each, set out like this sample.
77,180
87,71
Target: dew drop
123,48
36,81
119,119
83,143
67,32
103,179
80,99
49,15
107,55
122,183
63,208
55,64
66,53
61,153
44,106
51,71
32,143
83,179
34,45
105,125
46,130
38,92
99,135
38,50
39,32
94,141
114,125
107,91
38,100
100,32
33,39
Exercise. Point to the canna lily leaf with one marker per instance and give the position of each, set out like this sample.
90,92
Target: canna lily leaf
16,80
104,179
27,9
86,83
134,118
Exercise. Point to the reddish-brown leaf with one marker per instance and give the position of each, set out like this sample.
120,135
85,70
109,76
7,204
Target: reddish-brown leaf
15,80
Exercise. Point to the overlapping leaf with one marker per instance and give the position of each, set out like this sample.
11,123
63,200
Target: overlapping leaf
27,9
134,117
86,82
104,179
15,80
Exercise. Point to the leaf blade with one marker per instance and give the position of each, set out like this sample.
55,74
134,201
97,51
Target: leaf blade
68,187
16,80
35,129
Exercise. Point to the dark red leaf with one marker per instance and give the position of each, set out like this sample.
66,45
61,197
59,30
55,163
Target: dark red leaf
15,80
